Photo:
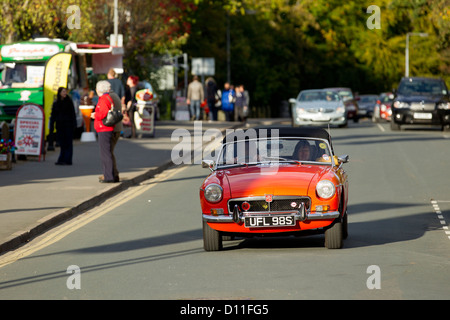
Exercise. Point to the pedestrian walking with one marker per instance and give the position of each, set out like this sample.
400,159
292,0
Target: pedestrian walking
105,133
228,99
130,102
118,128
212,98
246,108
195,96
242,104
116,84
64,120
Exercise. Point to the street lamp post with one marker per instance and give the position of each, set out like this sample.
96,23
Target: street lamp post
116,23
421,34
228,50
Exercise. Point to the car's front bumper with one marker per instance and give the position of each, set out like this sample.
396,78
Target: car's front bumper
365,113
314,119
408,116
298,216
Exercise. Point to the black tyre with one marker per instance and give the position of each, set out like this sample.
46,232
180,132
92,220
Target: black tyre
212,239
345,125
394,126
334,236
345,226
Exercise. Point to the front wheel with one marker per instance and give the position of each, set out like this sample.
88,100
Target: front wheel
394,126
212,239
334,238
345,226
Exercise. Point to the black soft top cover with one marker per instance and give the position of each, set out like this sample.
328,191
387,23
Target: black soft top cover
283,132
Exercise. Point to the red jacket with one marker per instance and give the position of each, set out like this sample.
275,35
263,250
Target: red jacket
101,110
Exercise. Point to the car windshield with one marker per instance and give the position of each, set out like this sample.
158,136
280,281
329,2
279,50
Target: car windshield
280,150
344,94
421,87
321,95
22,75
368,99
386,97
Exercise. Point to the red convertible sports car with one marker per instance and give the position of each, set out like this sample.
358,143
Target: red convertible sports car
275,181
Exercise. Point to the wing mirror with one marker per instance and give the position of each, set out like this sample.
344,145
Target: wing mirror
343,159
208,164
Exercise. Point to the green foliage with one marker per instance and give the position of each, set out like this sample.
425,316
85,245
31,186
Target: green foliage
150,28
280,47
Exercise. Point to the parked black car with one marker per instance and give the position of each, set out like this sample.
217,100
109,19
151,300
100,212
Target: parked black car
420,100
366,105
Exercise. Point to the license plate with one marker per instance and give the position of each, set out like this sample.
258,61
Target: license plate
320,118
423,116
269,221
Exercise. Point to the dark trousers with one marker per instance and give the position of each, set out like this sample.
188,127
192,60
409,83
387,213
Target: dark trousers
106,156
65,140
131,113
115,138
212,110
229,115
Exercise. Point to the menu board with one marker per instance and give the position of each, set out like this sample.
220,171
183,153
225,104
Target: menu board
29,130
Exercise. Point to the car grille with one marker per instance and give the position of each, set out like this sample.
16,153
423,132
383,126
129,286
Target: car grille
320,110
278,204
422,106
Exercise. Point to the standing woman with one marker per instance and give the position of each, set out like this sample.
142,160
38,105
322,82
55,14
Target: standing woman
64,119
211,98
105,133
131,101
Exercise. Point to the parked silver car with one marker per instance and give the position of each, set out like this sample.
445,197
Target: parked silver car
318,106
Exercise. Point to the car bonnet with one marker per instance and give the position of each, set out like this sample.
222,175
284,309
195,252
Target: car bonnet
282,179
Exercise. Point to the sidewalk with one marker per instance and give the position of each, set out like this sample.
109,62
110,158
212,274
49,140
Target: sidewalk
36,196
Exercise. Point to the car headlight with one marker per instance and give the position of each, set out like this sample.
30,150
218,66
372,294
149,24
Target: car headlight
325,189
444,105
300,110
340,110
213,193
400,105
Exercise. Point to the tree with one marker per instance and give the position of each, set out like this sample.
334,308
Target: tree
149,28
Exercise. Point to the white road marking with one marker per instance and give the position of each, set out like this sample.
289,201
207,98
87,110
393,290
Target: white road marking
381,127
439,215
76,223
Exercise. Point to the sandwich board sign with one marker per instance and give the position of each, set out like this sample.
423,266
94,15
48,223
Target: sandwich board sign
29,130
